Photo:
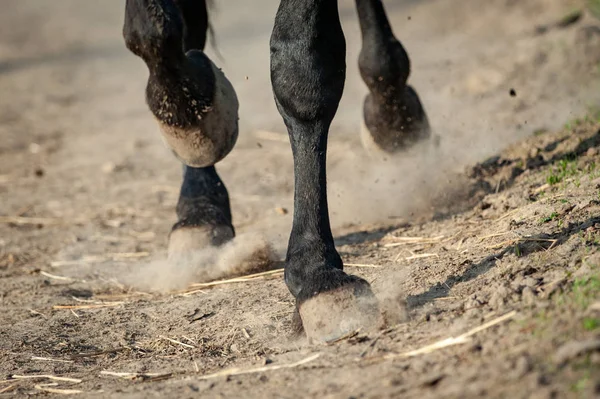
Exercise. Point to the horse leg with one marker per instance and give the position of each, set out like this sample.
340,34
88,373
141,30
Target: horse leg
394,118
308,70
195,107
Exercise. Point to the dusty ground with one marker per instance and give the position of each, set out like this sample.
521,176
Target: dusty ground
87,195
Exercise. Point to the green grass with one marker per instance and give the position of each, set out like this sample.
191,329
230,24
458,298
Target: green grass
586,290
562,169
581,384
550,218
591,323
594,7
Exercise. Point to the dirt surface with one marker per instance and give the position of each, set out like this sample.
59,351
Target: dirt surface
499,252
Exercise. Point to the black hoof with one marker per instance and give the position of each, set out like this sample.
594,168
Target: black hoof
394,125
194,103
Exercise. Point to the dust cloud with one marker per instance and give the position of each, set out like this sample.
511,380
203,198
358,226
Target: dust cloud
245,254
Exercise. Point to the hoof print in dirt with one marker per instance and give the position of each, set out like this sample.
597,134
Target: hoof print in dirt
333,314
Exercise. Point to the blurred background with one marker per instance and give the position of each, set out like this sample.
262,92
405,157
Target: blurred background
78,141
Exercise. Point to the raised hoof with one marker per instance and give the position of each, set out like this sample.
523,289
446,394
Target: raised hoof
333,314
390,128
189,239
212,129
378,150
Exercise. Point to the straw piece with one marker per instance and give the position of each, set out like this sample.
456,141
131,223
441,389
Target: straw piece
8,388
461,339
361,265
420,256
55,277
57,390
177,342
252,277
131,376
101,258
25,221
46,376
47,359
90,306
238,371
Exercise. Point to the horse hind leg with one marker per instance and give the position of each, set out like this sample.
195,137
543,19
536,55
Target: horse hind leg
394,118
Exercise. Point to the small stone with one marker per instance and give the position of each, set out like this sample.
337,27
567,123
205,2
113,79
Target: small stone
109,167
35,148
281,211
113,223
522,366
573,349
592,152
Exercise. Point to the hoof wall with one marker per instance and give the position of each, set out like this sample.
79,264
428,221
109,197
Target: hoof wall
336,313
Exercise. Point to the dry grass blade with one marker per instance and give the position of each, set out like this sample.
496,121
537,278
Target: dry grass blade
47,377
55,277
510,213
412,240
461,339
421,256
481,238
238,371
131,376
117,256
27,221
417,239
47,359
97,353
541,188
104,297
344,337
177,342
38,313
250,277
57,390
85,259
523,239
361,265
8,388
90,306
129,255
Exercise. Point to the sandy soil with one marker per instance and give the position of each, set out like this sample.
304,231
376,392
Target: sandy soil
498,251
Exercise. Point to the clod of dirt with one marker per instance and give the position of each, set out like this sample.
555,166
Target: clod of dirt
573,349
